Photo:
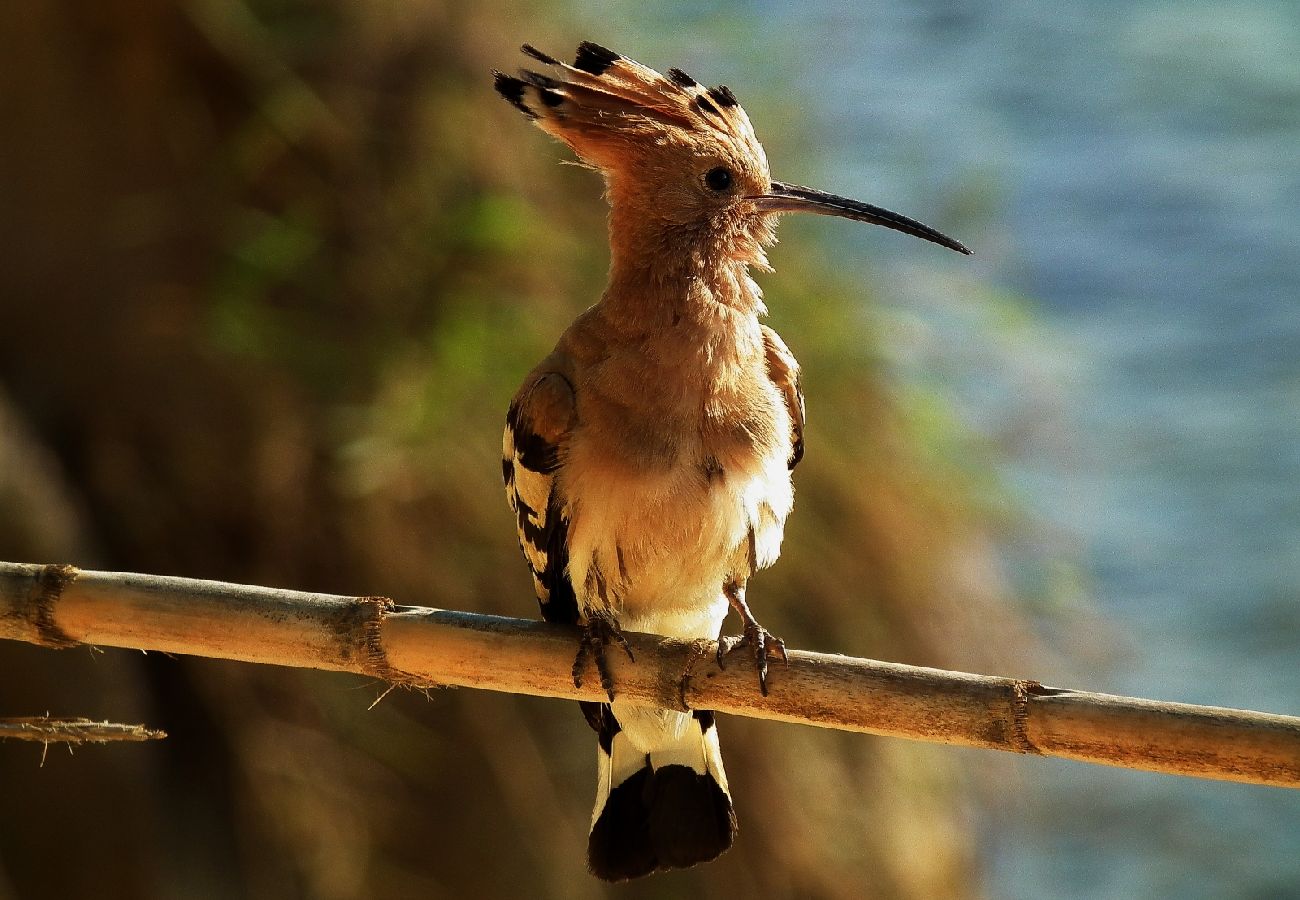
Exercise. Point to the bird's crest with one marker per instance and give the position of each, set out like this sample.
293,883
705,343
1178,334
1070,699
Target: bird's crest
611,109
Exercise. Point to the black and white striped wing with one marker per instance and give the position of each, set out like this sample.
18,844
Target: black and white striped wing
532,453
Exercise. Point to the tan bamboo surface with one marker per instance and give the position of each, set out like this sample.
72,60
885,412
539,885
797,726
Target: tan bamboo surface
60,606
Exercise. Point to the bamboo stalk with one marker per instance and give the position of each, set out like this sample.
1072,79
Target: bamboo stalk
59,606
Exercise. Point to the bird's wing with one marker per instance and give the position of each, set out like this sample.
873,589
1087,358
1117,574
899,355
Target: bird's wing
533,450
783,369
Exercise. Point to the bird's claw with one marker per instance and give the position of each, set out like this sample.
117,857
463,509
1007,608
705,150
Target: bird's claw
762,644
598,633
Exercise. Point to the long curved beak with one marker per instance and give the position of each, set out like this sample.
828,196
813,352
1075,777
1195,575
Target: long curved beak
793,198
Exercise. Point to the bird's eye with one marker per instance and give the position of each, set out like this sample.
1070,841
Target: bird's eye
718,179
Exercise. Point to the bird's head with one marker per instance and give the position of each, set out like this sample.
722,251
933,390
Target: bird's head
678,158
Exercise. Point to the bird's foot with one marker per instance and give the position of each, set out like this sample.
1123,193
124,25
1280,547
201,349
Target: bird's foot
761,643
599,631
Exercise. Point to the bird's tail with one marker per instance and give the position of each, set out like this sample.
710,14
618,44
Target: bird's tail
661,797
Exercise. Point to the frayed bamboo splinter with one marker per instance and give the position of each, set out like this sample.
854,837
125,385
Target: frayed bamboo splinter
56,730
60,606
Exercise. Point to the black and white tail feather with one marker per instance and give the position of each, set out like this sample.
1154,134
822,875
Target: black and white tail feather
662,807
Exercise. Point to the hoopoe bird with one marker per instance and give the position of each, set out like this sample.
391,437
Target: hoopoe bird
648,458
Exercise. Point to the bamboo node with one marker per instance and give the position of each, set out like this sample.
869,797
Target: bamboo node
41,602
359,627
1020,691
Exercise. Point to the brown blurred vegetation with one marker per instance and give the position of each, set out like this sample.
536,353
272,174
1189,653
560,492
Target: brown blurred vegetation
270,274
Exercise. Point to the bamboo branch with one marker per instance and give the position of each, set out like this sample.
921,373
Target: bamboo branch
59,606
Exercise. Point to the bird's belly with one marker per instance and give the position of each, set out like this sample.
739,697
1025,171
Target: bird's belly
656,548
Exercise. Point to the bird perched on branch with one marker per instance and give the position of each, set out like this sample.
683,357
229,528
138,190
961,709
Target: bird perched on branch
648,458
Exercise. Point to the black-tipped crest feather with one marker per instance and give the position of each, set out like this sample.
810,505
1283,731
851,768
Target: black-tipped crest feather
603,92
513,90
681,79
705,106
537,79
594,58
723,96
539,55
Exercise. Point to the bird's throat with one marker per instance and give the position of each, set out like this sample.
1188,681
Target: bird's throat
668,276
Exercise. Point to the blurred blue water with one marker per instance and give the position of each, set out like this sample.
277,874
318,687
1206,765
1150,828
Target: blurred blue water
1149,154
1144,160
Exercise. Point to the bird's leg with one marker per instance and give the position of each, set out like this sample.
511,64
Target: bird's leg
598,631
760,641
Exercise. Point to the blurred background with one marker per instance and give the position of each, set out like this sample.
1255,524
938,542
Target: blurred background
271,271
